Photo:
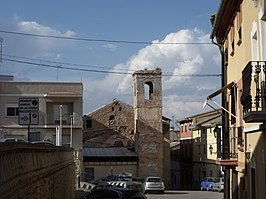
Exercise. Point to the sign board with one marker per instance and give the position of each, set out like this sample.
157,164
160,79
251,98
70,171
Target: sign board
30,104
29,118
28,111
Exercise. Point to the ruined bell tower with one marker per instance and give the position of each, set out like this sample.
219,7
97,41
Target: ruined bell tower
148,121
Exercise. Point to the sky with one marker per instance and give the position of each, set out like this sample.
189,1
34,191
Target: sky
102,42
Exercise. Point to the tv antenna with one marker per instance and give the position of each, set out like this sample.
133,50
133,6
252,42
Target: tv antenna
1,49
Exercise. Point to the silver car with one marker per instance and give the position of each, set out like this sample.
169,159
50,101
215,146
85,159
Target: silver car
153,184
218,185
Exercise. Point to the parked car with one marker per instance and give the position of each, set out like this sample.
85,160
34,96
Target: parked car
114,177
153,184
44,142
14,140
115,193
218,185
127,184
206,183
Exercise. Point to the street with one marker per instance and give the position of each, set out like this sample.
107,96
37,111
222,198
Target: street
186,195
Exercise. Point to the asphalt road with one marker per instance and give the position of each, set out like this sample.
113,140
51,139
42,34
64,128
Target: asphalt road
186,195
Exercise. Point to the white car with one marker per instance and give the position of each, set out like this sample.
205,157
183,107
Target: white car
218,185
153,184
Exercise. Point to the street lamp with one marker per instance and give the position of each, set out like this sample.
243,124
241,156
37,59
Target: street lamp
71,130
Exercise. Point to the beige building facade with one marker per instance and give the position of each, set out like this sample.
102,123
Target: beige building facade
206,130
239,28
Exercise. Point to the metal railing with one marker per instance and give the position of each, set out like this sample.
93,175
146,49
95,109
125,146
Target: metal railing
253,77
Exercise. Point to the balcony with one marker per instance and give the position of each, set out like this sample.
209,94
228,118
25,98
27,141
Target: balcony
228,159
253,97
67,120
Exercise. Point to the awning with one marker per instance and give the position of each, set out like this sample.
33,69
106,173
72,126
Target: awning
228,86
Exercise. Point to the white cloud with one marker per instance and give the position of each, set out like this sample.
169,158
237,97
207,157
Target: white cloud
34,27
112,47
43,44
182,95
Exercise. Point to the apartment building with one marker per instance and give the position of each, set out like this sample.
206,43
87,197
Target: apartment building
239,29
186,153
38,111
200,147
207,142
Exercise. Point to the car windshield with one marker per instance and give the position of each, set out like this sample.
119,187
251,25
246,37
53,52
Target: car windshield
154,180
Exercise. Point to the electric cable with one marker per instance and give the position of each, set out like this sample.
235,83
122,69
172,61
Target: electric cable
104,40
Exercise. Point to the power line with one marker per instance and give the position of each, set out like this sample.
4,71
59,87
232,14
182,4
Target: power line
104,40
64,63
64,67
105,71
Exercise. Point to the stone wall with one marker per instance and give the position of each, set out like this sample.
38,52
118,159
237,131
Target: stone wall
150,151
36,171
111,125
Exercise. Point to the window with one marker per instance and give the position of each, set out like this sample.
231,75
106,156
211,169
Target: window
238,26
112,120
199,149
240,135
148,89
35,136
254,41
233,104
89,174
232,38
66,140
89,123
12,110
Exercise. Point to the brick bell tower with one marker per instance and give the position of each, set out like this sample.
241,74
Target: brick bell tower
148,121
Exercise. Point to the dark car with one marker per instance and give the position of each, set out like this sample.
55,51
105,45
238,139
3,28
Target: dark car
44,142
14,140
115,193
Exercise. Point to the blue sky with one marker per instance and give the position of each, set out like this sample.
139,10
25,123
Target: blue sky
168,21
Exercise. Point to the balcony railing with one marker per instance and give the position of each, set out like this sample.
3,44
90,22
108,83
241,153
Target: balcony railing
226,156
74,120
253,97
228,159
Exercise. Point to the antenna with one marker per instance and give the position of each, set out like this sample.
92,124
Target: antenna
57,67
1,49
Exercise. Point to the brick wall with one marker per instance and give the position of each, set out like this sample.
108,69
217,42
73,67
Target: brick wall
36,171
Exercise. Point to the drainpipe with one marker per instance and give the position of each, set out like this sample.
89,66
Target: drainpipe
225,118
